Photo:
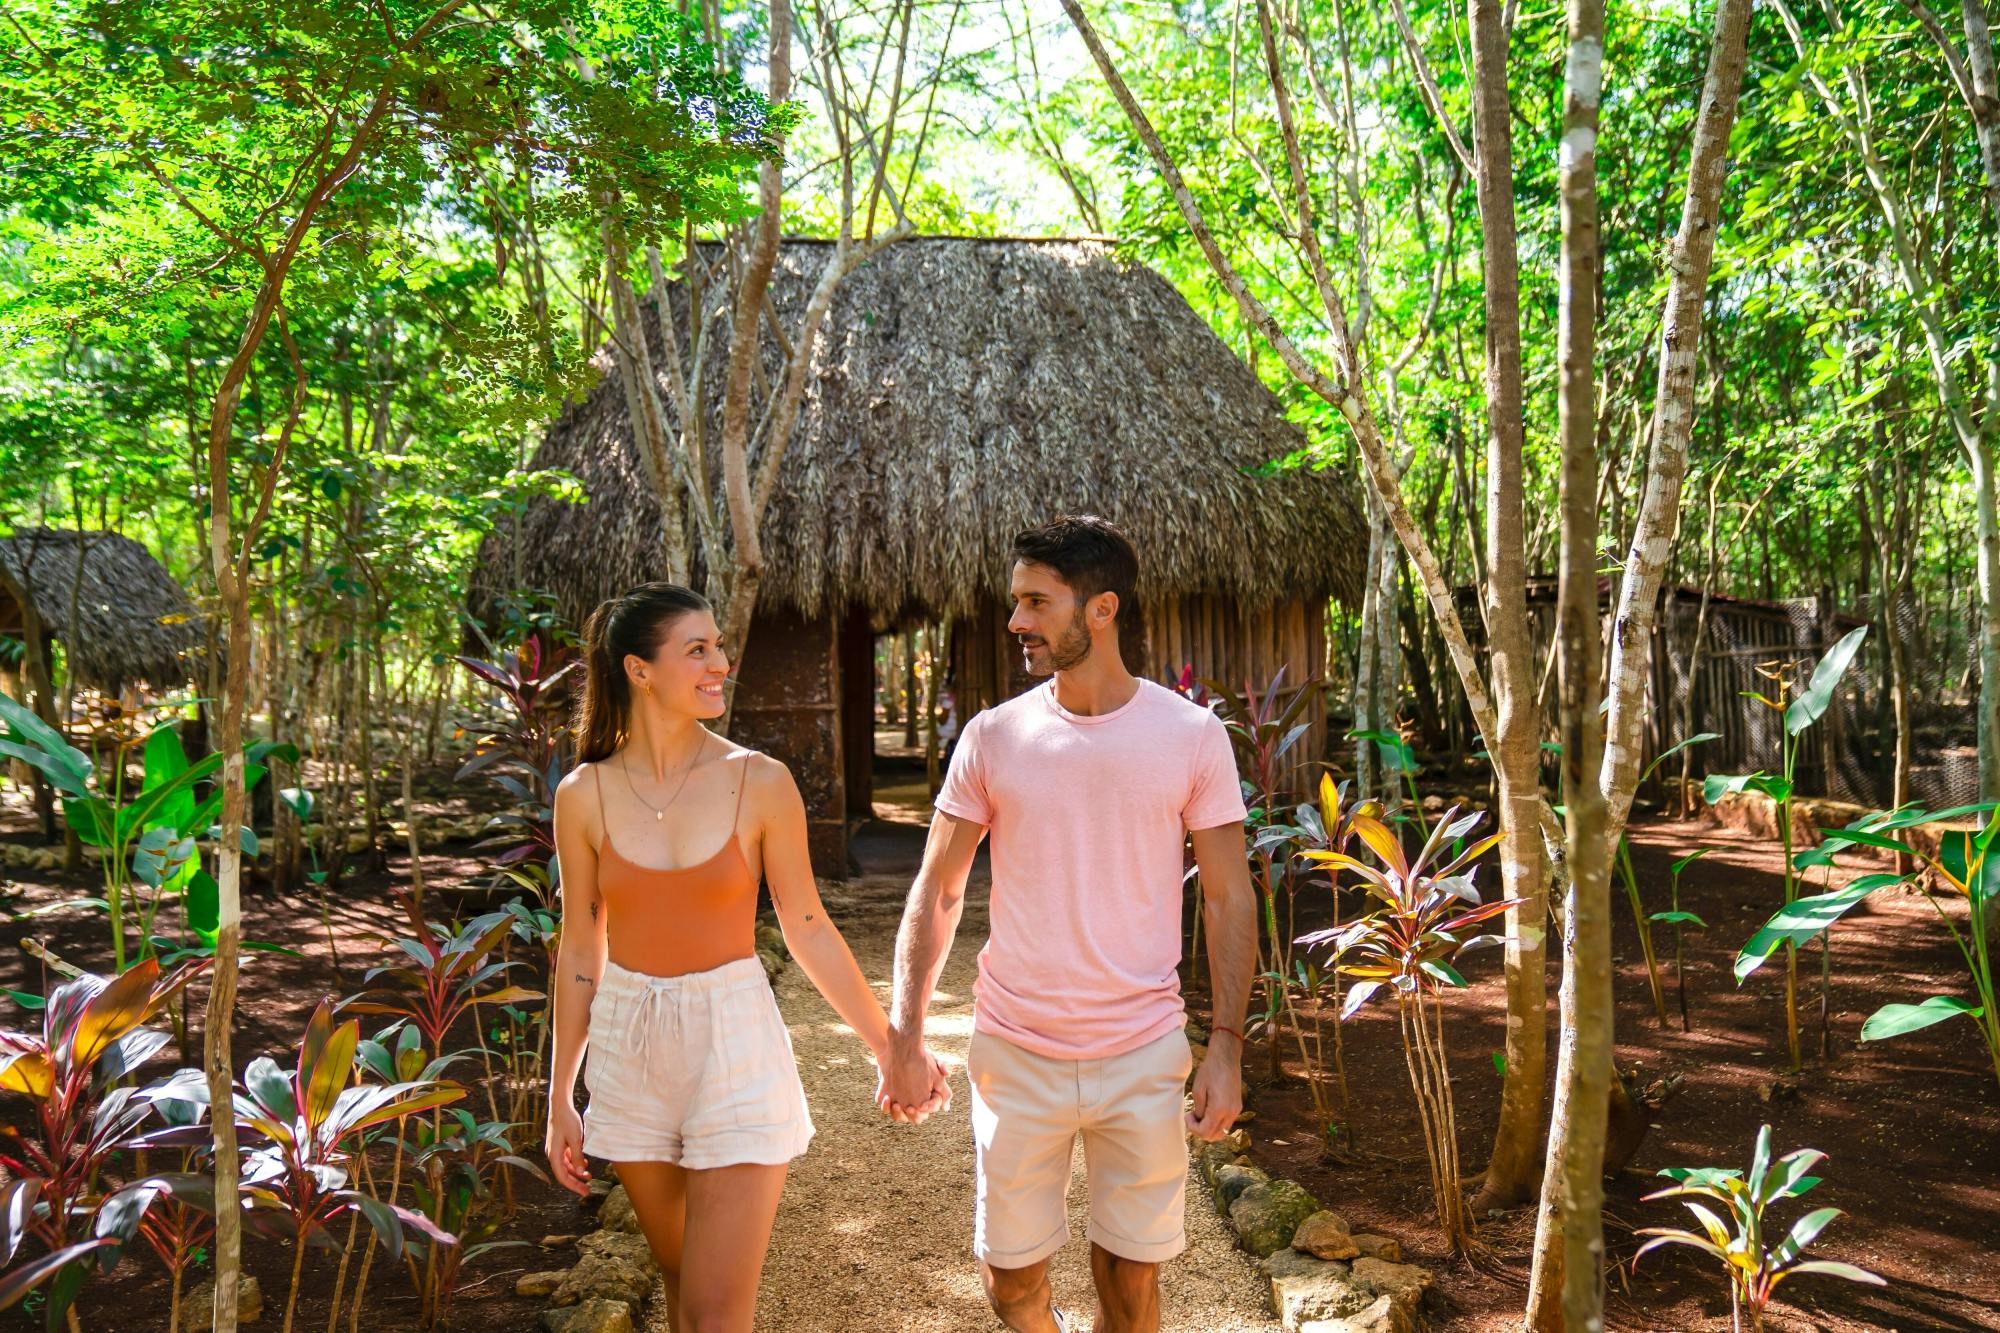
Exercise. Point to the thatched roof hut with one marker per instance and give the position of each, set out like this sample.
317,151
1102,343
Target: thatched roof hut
961,390
133,622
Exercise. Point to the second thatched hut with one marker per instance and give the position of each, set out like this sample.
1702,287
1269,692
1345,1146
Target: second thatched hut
119,615
961,390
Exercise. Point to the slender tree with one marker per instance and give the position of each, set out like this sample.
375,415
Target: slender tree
1567,1286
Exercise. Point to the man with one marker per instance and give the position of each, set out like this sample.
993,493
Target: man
1090,786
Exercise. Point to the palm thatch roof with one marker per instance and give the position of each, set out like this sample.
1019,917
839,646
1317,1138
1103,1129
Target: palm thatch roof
961,390
132,622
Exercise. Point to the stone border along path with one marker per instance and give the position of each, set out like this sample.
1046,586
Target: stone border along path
874,1234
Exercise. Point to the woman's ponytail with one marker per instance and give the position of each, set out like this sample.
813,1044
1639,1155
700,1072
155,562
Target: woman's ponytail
627,626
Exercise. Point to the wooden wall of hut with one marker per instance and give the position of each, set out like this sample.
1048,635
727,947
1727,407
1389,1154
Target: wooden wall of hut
1223,640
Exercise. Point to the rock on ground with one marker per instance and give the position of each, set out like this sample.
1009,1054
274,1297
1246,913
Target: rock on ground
536,1286
615,1266
198,1306
618,1214
1379,1247
1268,1214
1312,1295
1325,1235
596,1316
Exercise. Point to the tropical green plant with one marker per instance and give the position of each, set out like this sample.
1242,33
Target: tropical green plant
1743,1242
151,836
1263,728
1642,921
301,802
306,1124
93,1037
1679,919
1397,757
1963,868
1798,713
1426,909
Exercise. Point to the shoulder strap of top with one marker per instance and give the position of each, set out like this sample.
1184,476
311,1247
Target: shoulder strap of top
742,782
603,814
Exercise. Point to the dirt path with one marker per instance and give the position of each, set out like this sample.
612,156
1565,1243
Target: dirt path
875,1232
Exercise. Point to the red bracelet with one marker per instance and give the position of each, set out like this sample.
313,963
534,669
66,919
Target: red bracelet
1231,1031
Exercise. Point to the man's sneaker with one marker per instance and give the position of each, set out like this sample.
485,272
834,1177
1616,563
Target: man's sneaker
1062,1322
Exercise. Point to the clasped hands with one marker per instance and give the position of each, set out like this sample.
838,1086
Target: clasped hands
910,1084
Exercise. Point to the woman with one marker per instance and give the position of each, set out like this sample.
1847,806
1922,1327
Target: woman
663,832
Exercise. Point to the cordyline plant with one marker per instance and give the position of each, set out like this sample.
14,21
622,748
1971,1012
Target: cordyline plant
456,1158
306,1124
1425,915
1798,713
173,1212
442,978
93,1036
1742,1241
1963,868
1326,827
1263,729
526,758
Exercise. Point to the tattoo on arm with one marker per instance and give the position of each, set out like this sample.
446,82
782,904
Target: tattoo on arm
593,909
588,981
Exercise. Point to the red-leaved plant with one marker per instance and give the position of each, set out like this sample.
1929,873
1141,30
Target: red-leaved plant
1424,918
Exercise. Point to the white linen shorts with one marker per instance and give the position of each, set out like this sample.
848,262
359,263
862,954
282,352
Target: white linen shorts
696,1069
1027,1111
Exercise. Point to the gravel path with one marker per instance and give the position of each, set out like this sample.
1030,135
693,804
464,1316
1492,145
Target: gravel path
875,1232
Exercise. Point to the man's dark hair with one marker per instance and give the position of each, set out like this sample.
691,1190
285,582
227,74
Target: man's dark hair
1092,556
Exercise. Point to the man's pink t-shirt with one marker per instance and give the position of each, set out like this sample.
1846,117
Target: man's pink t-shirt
1088,817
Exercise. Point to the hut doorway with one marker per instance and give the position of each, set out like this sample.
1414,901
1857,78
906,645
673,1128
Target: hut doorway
911,712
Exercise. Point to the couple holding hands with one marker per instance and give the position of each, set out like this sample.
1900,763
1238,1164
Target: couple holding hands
1089,787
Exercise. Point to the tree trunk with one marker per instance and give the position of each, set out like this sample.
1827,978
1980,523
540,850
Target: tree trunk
1367,693
1514,741
642,403
41,699
1689,262
1388,658
1566,1289
937,640
910,736
287,855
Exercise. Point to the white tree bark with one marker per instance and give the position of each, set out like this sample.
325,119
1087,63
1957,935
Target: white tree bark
1688,264
1566,1289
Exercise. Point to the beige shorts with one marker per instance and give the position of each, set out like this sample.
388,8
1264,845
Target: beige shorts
695,1069
1027,1110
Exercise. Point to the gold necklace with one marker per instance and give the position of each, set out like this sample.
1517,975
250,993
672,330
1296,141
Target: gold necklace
659,813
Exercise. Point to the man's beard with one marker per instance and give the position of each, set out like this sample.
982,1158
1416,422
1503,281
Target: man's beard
1068,652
